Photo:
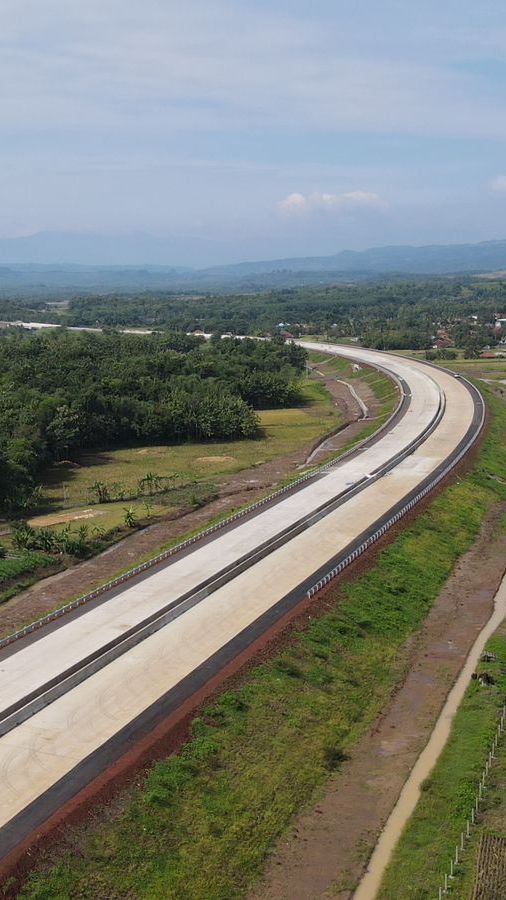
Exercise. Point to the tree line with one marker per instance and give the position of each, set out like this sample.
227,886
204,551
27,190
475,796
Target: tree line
385,314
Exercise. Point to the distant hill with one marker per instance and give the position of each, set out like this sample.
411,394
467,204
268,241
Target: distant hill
51,261
434,259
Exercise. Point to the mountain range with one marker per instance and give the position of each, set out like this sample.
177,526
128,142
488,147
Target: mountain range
52,260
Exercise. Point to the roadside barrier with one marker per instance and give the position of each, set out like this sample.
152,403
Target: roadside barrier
472,819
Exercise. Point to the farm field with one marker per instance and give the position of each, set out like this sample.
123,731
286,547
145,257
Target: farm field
490,875
494,369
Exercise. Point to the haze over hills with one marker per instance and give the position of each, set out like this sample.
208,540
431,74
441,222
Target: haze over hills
88,249
50,261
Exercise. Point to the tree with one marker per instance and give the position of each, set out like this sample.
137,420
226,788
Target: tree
63,432
472,351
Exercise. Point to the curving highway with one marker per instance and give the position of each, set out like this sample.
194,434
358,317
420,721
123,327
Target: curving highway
76,694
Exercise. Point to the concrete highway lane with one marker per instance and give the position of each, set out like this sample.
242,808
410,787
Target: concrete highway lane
50,756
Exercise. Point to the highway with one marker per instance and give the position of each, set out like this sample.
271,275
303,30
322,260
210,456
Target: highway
75,695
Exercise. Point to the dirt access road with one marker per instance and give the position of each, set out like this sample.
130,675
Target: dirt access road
326,851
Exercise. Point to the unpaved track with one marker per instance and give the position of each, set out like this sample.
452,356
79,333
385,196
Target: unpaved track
325,852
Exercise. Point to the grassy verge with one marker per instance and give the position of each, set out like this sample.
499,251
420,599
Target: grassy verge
448,794
203,821
423,854
21,571
492,819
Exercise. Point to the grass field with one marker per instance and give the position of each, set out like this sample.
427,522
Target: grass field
203,821
493,369
104,517
284,431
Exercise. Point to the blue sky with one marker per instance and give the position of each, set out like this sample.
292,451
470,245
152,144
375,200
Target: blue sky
274,128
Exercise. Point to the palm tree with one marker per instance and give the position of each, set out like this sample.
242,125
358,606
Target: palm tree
130,518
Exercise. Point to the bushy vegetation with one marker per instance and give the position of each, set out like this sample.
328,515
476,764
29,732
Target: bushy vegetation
15,567
68,540
62,392
19,565
204,821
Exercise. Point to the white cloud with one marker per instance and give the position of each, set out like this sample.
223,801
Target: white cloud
499,184
297,204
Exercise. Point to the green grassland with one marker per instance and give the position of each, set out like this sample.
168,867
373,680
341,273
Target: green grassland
283,431
492,819
203,821
488,368
493,369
